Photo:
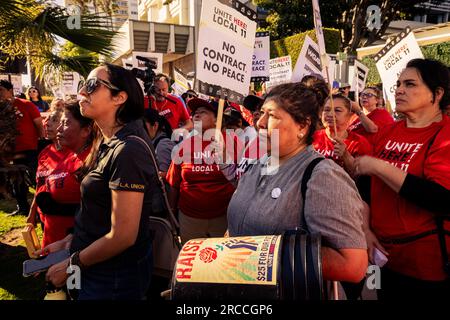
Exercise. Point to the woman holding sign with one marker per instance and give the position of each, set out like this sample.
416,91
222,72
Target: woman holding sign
268,198
410,186
370,117
200,190
341,146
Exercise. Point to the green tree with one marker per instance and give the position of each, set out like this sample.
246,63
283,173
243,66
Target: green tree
33,29
349,16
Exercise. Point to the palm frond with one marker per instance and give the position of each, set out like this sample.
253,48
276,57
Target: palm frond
92,35
52,64
40,26
13,7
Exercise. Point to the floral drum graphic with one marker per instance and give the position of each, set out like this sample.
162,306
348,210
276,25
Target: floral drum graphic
241,260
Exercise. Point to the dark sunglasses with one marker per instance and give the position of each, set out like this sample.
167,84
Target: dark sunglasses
92,84
367,95
191,95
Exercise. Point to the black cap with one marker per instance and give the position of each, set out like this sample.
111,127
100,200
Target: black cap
233,114
252,102
6,84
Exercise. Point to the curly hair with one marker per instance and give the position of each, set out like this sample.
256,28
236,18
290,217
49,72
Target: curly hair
302,102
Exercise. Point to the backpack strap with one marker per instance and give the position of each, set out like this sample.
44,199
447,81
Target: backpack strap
306,176
173,221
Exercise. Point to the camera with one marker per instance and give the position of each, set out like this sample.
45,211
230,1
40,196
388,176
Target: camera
148,75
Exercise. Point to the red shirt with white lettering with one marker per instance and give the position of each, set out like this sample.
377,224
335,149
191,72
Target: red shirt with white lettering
176,114
412,150
28,136
56,175
379,116
356,144
204,190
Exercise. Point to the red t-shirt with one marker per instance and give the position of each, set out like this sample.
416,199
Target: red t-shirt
357,145
56,175
395,217
204,190
28,133
176,114
379,116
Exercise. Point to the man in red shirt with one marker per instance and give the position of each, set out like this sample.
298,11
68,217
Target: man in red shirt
170,106
29,125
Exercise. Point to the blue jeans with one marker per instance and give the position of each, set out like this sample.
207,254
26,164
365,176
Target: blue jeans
129,282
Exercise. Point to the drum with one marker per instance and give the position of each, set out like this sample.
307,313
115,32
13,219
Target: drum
270,267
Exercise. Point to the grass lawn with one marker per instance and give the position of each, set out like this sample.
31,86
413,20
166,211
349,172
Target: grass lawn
13,285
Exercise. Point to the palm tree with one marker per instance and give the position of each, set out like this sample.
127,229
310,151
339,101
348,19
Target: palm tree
31,28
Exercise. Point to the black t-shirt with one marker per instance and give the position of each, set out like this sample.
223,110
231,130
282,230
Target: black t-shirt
123,164
42,105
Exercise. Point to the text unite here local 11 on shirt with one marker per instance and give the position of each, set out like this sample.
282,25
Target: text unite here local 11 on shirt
423,152
204,190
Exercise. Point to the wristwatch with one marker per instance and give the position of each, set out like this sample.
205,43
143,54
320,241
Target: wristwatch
75,260
359,113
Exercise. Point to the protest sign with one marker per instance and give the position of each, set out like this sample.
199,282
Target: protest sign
63,85
70,82
226,42
393,58
308,61
360,73
325,61
181,83
261,56
280,70
127,63
16,81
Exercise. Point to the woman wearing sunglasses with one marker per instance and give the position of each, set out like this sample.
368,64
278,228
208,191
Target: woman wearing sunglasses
35,96
370,116
189,95
111,243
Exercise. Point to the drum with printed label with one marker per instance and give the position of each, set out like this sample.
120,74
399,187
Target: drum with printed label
271,267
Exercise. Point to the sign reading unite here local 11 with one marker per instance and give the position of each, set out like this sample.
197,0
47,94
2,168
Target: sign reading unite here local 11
393,58
225,48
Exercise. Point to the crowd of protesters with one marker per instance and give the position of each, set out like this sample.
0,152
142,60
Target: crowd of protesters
379,186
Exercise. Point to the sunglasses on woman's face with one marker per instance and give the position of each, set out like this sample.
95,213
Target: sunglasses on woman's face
191,96
367,95
93,83
33,91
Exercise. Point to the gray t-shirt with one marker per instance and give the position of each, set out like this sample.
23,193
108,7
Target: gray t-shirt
272,204
163,151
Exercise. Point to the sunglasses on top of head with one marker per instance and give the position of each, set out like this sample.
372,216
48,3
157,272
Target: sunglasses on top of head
92,84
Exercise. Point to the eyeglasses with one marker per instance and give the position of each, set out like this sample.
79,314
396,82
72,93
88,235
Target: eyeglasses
367,95
92,84
191,95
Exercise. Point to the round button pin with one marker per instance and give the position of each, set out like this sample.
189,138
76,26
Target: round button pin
276,193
